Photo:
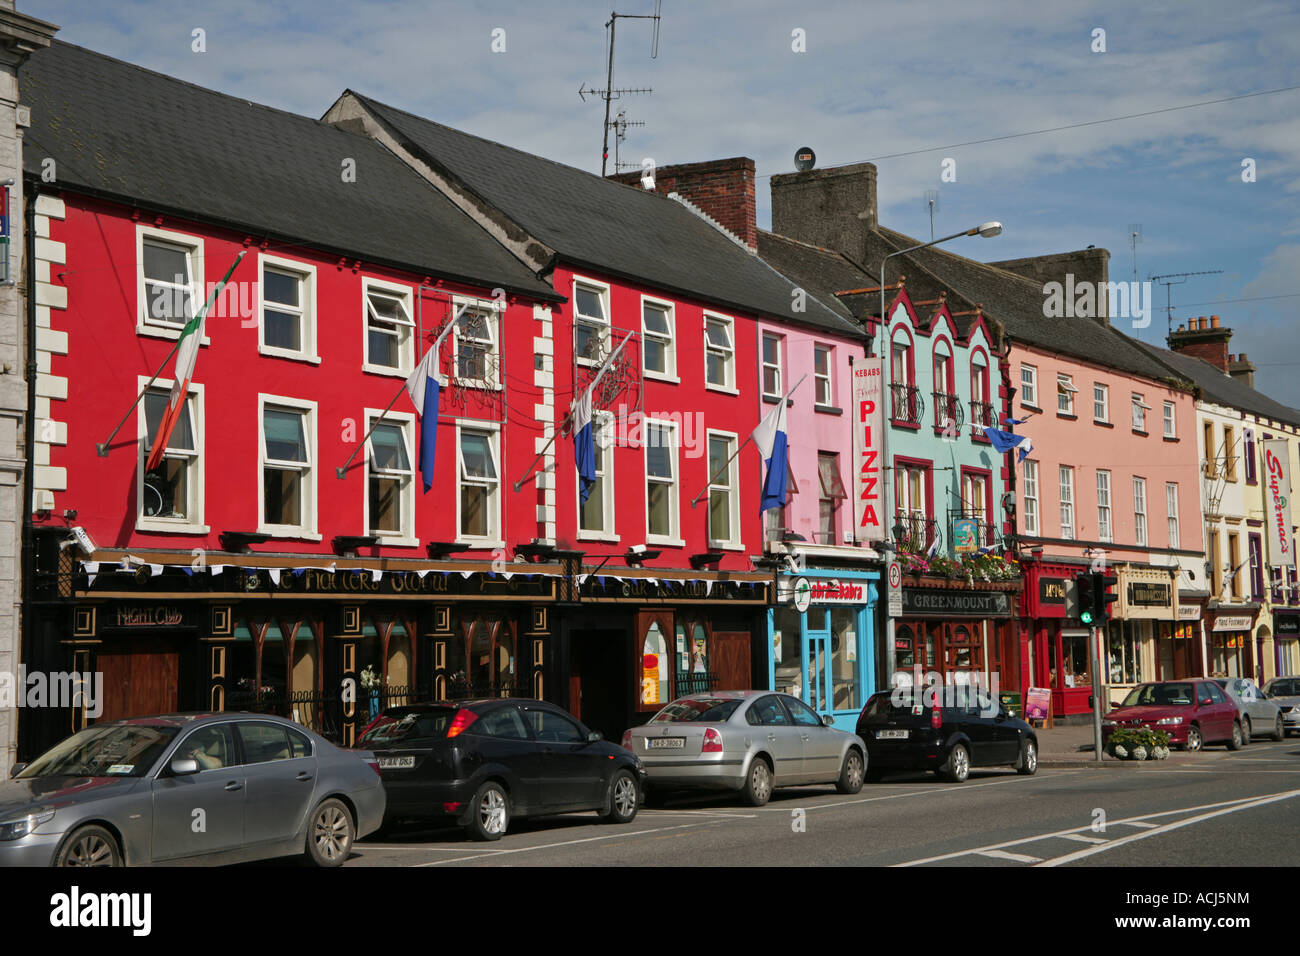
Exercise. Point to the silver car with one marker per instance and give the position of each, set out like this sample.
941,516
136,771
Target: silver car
191,788
749,741
1285,692
1260,717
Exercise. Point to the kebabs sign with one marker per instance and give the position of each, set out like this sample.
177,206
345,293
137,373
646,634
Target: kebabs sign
868,472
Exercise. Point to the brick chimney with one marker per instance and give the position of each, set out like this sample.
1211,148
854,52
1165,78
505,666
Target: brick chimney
722,188
1242,369
1204,338
833,208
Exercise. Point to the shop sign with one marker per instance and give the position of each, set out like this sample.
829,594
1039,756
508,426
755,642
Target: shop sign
1277,494
1189,612
147,616
804,591
353,582
868,433
1286,623
1051,591
1232,622
965,535
1038,701
1148,594
954,602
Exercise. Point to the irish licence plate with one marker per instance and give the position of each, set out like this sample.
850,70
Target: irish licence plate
891,734
667,743
396,763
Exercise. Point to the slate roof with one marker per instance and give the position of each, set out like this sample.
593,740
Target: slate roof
138,137
1013,301
1219,387
605,225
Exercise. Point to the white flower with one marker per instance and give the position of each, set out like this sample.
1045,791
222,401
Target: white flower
1139,752
1120,751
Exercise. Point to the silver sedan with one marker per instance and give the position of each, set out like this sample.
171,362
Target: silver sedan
747,741
1260,717
1285,692
210,788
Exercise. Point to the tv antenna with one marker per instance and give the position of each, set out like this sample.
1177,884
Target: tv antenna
1134,237
609,92
932,200
621,123
1181,277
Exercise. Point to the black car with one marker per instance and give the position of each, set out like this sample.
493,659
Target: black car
482,762
904,731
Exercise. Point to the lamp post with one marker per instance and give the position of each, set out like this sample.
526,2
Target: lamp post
988,230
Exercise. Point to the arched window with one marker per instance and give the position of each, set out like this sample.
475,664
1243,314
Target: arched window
902,369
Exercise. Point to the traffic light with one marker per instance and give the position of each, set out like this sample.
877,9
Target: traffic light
1101,598
1084,596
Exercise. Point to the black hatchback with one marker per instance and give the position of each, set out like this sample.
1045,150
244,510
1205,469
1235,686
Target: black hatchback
904,730
482,762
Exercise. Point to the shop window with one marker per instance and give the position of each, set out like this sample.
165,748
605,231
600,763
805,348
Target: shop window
787,651
1124,663
481,657
656,668
844,659
904,656
1074,658
963,651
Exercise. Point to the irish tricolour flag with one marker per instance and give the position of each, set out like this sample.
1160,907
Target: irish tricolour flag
187,350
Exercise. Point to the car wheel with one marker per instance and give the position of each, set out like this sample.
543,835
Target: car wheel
1235,742
490,812
758,783
852,774
1028,762
1245,730
1193,739
958,767
1279,733
622,801
89,846
330,833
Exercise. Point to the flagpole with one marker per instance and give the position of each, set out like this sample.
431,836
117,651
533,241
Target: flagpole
101,449
590,388
784,398
341,472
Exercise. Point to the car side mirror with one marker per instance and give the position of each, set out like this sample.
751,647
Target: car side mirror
593,736
17,769
828,720
1207,702
183,766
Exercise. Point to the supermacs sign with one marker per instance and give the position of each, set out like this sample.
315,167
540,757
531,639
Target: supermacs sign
1281,541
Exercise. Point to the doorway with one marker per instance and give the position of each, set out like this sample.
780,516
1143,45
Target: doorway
141,677
600,680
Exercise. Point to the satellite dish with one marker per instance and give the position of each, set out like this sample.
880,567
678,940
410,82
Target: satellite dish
804,159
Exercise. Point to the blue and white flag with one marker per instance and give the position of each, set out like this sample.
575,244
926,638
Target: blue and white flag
772,444
1012,422
584,445
423,388
1003,442
933,549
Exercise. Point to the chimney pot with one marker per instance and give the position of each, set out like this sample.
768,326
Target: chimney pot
1214,321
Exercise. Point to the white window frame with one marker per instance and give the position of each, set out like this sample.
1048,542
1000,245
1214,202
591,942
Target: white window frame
1105,527
406,349
1066,498
194,262
1170,419
729,366
673,538
195,523
1065,389
764,364
732,487
1139,511
306,275
669,374
495,536
405,421
1101,397
309,529
602,328
602,424
1028,385
1171,506
828,378
1140,409
1031,497
493,314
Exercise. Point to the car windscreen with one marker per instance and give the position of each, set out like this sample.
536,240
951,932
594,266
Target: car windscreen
408,726
111,750
1160,695
702,709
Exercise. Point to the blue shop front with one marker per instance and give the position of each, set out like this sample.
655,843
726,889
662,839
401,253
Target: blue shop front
822,635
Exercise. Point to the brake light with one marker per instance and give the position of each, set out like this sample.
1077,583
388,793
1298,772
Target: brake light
461,721
936,718
374,765
712,741
627,740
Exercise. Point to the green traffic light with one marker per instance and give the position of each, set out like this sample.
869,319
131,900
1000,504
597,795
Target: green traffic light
1085,617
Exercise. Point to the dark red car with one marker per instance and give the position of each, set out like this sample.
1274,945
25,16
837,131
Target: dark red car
1191,712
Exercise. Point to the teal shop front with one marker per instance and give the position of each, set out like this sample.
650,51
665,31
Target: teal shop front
821,633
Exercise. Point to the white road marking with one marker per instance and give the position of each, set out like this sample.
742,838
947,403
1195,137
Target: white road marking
919,792
1140,823
1004,855
1080,838
551,846
1132,821
1132,837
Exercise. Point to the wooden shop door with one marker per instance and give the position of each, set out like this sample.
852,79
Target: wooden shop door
140,677
730,660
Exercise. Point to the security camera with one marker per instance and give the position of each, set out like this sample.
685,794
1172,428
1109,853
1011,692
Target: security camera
83,540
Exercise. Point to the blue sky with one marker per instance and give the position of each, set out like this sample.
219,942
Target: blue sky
875,79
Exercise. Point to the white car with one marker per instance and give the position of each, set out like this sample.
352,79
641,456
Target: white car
1259,716
1285,692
